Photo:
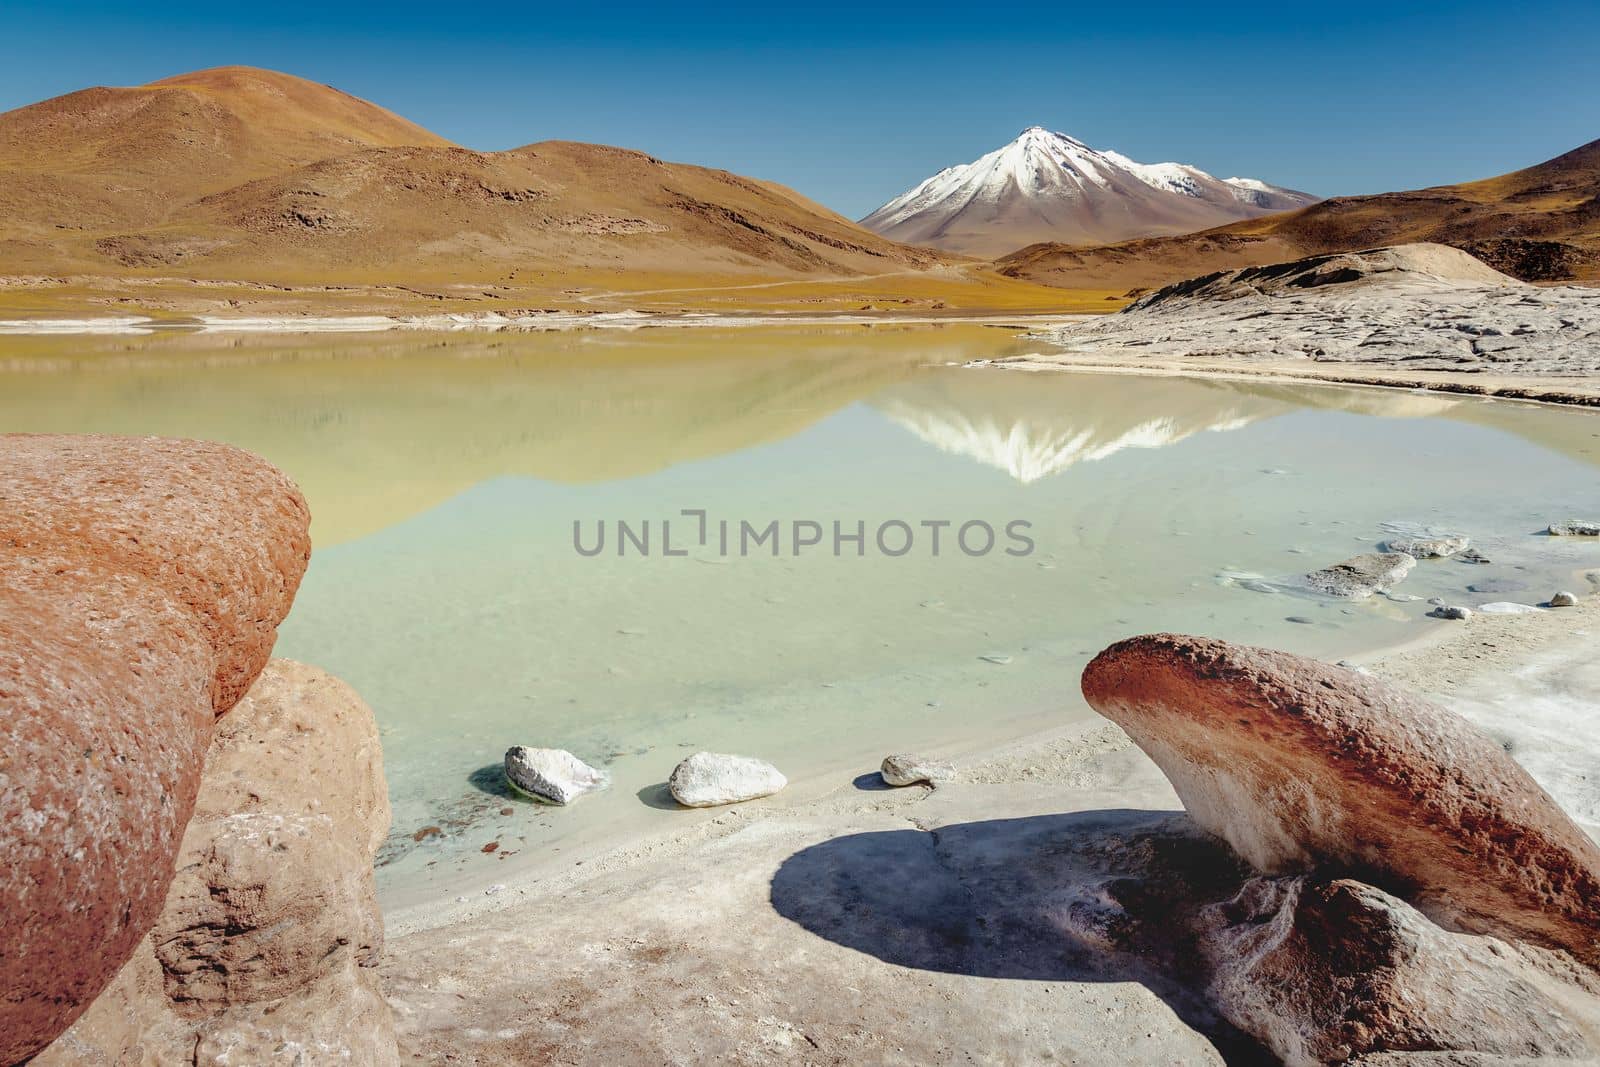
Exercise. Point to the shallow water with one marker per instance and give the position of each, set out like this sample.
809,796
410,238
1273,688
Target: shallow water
445,475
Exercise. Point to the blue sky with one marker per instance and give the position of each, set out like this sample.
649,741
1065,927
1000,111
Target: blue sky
852,103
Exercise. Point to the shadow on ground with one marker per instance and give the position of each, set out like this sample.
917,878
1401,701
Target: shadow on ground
1079,897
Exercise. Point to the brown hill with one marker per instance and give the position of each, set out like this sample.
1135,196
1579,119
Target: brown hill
1538,224
241,173
114,156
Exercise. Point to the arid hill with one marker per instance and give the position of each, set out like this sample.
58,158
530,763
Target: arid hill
239,173
1538,224
122,157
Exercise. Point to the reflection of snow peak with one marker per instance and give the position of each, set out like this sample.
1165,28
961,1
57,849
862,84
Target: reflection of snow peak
1029,451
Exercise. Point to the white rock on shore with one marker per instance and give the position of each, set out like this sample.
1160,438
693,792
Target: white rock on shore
552,775
1564,599
1575,528
906,769
708,779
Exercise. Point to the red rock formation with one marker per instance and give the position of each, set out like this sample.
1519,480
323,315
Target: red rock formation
1320,972
268,944
1302,766
141,585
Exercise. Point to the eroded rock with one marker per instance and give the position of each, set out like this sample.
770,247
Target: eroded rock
1564,599
1321,972
141,584
268,939
1424,546
707,779
552,775
906,769
1575,528
1361,576
1303,766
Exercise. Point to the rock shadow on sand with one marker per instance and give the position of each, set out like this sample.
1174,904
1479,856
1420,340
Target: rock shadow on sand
1078,897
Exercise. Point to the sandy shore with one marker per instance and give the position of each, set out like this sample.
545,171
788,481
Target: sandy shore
834,930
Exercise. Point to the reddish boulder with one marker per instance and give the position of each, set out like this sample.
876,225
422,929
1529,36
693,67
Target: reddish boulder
1321,972
1302,766
141,585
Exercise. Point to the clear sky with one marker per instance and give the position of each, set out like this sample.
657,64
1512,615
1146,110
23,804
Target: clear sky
851,103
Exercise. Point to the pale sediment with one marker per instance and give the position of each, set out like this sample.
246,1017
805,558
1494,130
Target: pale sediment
1416,316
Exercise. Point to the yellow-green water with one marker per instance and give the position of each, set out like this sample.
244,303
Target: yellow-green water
445,474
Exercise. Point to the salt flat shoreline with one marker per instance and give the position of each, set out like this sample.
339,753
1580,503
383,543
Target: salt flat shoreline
666,951
1447,660
1422,316
1581,392
140,325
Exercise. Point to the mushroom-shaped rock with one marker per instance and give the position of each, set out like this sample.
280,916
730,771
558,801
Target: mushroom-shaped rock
1304,766
141,584
707,779
552,775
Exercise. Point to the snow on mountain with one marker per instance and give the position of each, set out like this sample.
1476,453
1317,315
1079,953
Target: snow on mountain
1047,186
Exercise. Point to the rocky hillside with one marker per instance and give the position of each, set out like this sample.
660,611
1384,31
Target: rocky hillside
246,173
1538,224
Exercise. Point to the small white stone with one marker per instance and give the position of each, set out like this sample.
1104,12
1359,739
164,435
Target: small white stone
1451,611
552,775
906,769
1564,599
707,779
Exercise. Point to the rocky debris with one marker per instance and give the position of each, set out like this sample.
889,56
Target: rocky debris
906,769
1418,307
1564,599
1361,576
552,775
1575,528
1472,555
266,947
707,779
1323,971
1302,766
1425,547
141,586
1451,611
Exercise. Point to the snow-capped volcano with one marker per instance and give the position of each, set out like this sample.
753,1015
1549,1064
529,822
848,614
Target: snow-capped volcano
1047,186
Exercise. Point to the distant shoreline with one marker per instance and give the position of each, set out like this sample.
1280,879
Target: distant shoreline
1578,393
131,325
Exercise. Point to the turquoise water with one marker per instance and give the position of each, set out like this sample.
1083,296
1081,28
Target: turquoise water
446,474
